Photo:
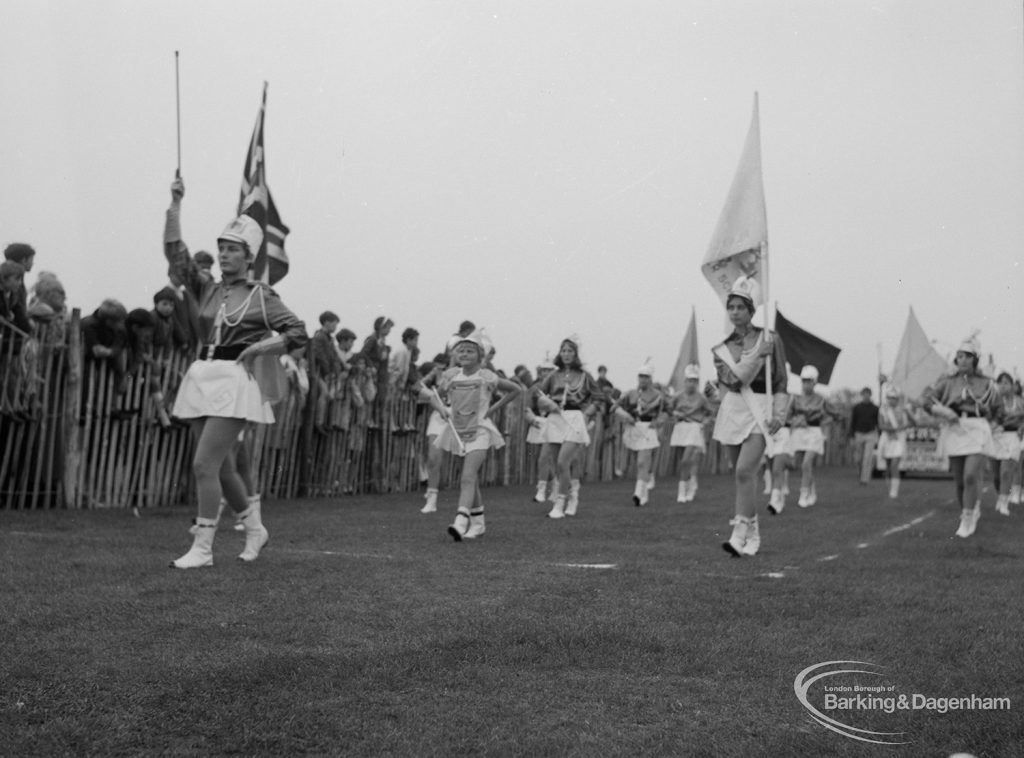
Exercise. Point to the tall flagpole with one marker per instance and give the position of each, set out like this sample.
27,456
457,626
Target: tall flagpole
177,103
769,311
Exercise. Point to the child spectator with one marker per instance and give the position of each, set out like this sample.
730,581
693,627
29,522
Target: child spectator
323,356
168,333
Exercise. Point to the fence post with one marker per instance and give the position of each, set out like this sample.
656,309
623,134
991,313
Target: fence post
72,408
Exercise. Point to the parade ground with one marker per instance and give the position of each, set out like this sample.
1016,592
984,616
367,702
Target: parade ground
364,630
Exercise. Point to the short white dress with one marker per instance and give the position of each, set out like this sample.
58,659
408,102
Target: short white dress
566,426
470,397
221,388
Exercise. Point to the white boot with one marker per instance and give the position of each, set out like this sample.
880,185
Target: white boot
558,509
460,526
683,488
964,530
254,502
541,495
894,487
777,502
476,526
556,490
574,497
1003,505
201,552
194,529
650,482
804,495
256,535
753,543
691,492
812,495
975,515
738,539
1015,495
431,505
640,493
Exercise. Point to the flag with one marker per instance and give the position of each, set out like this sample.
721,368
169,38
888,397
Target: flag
804,349
918,364
739,246
256,201
687,354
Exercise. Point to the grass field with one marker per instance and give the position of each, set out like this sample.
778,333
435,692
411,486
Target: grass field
364,630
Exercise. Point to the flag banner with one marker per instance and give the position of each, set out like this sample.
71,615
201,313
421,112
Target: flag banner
688,354
805,349
256,201
918,364
740,241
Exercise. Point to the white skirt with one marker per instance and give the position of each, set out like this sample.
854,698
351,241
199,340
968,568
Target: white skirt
892,444
806,439
778,443
735,422
1007,446
966,436
688,434
435,424
640,436
485,437
223,389
536,432
566,426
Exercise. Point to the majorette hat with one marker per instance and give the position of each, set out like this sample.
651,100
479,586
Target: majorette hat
747,289
691,372
809,372
244,229
646,368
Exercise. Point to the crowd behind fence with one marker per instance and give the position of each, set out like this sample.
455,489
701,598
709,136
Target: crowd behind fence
76,433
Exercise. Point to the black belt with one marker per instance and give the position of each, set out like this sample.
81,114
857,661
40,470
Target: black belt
221,352
647,418
1011,428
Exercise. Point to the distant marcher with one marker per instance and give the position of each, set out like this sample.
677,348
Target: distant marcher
571,398
431,466
864,432
536,435
894,421
808,413
642,410
965,400
1007,425
750,409
690,410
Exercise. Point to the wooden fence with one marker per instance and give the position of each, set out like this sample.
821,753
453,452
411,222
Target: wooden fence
76,434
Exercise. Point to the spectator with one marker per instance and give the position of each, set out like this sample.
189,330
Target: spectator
25,256
204,261
402,359
48,297
603,381
12,304
864,431
323,355
375,352
168,333
140,327
346,338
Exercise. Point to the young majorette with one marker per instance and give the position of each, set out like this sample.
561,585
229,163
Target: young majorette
893,421
1007,424
571,397
468,432
750,410
536,436
435,425
691,410
807,412
642,410
965,399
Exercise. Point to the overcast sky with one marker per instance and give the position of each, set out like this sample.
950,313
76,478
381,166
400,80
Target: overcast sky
542,168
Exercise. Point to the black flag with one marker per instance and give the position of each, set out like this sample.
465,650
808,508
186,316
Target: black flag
804,349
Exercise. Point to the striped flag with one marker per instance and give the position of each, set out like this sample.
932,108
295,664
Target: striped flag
688,354
739,246
256,201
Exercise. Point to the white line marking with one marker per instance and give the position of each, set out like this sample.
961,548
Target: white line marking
863,545
909,524
828,558
588,565
775,575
